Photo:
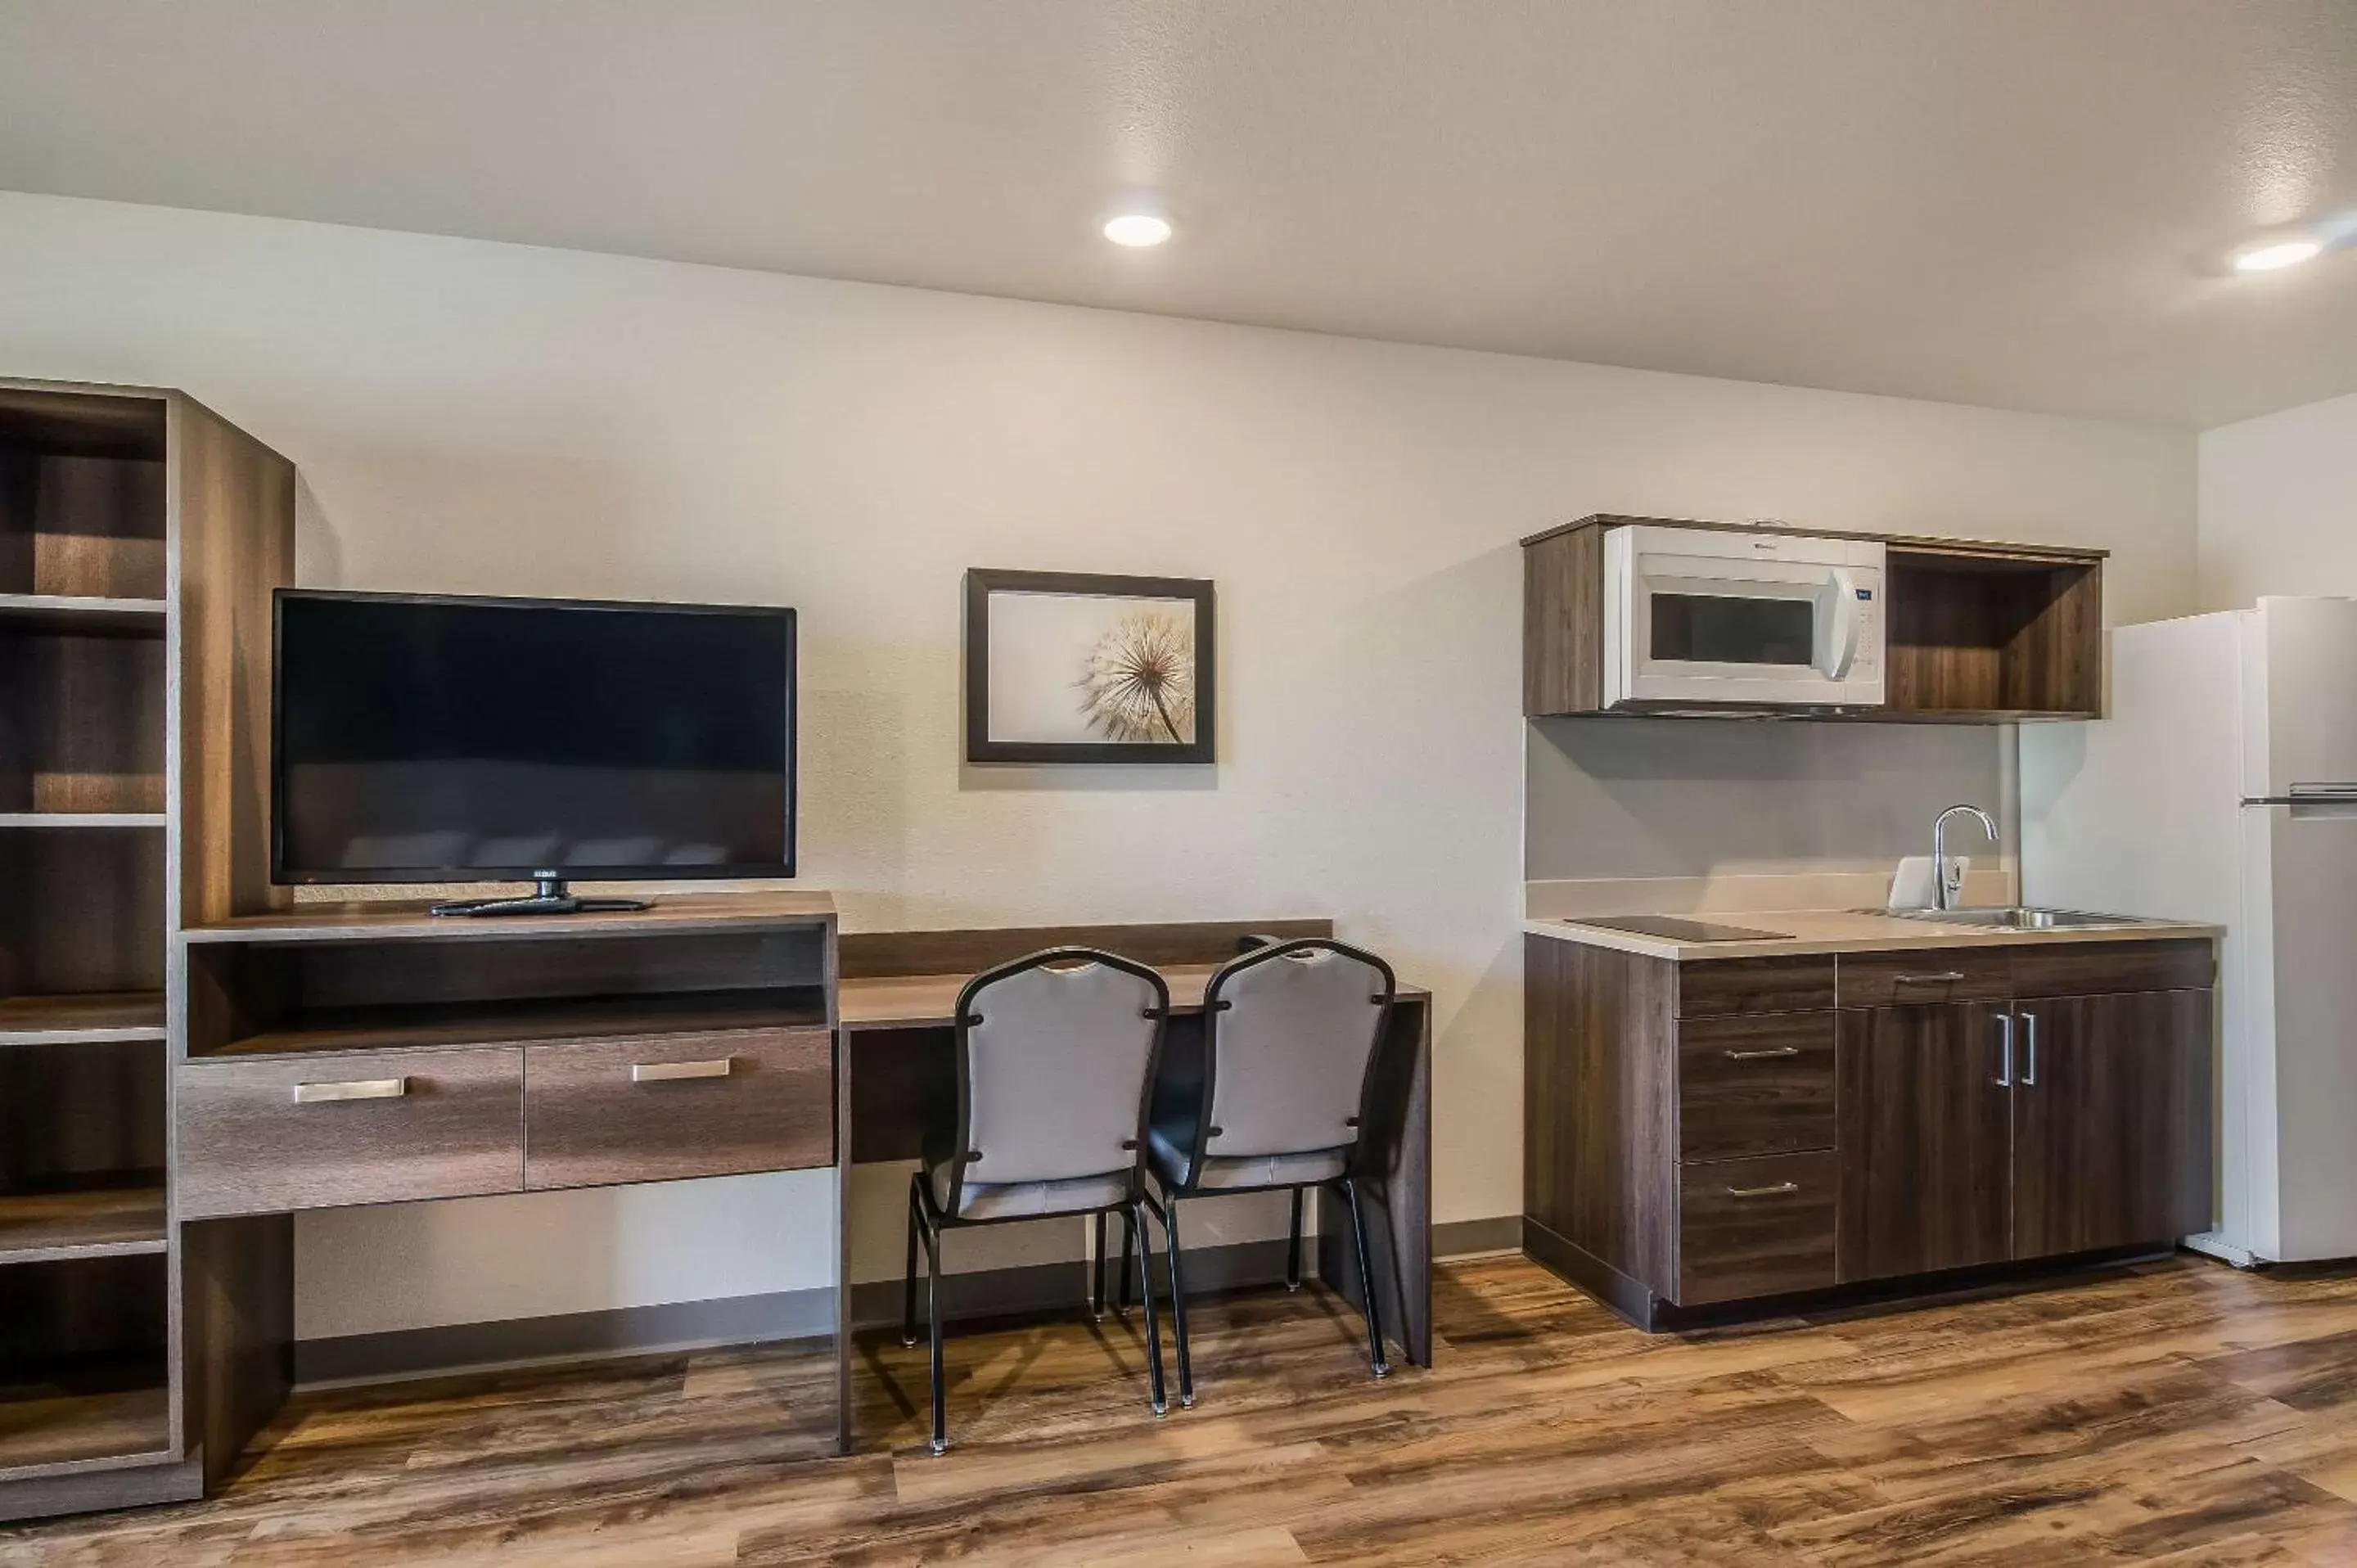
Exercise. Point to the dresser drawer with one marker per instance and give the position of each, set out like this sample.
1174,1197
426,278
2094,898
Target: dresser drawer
264,1138
664,1107
1754,1086
1750,1228
1925,975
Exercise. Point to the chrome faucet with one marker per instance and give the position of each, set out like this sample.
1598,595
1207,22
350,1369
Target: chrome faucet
1943,895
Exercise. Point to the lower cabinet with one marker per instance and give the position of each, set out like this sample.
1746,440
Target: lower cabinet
1987,1131
1714,1134
2111,1120
1926,1139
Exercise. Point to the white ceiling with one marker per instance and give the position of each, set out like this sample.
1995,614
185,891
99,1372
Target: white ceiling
2014,202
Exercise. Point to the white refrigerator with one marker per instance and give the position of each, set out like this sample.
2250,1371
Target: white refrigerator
2222,788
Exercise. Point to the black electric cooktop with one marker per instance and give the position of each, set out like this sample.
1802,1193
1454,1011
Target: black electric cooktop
1678,930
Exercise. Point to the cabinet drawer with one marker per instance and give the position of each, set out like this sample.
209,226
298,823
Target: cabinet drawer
1750,1228
664,1107
264,1138
1711,988
1755,1085
1925,975
2102,969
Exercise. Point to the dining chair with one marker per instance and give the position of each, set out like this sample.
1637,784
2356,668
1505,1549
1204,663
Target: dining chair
1056,1058
1290,1029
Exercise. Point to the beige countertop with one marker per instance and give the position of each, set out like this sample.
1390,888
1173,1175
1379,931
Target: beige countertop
1843,931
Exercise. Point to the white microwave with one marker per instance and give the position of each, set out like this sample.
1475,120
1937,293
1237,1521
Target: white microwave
1709,617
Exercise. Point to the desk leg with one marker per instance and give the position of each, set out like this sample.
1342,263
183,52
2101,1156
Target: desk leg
843,1153
1398,1190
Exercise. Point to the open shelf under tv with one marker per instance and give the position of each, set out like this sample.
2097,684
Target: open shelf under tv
387,1025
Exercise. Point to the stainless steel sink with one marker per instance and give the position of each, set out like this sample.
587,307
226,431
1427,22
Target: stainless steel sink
2015,918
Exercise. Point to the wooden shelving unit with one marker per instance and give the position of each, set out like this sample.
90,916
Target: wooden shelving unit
136,527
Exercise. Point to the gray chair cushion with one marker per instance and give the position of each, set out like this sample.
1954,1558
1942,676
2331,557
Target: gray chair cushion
1241,1172
1294,1043
1032,1200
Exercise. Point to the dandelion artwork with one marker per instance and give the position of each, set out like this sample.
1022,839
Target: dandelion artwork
1140,683
1070,667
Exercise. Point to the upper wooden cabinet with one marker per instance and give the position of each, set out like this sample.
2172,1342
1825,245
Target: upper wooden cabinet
1974,632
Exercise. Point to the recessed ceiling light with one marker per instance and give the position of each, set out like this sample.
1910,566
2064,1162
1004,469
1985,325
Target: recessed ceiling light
2273,255
1137,229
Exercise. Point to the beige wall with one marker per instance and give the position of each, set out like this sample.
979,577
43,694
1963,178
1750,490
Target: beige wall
479,418
2278,505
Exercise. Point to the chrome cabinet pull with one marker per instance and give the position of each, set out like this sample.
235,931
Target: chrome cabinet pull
1778,1190
361,1088
1945,977
2029,1045
2004,1079
1763,1054
671,1072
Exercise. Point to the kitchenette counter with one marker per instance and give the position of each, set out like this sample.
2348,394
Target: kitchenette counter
1794,932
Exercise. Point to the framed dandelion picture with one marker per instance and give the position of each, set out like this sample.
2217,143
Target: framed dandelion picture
1073,667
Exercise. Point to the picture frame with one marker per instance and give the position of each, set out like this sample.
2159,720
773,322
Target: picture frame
1077,667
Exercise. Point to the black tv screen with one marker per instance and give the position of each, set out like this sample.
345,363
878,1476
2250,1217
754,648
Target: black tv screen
436,739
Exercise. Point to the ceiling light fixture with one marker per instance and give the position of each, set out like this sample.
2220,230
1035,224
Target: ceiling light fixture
2273,255
1137,229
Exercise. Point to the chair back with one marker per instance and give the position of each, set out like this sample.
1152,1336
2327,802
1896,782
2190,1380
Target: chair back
1290,1031
1055,1055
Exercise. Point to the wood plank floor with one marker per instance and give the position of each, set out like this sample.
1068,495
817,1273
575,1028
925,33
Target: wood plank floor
2182,1413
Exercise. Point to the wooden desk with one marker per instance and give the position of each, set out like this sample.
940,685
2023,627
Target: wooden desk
897,1075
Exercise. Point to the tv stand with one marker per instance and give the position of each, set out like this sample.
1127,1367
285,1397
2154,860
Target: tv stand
549,895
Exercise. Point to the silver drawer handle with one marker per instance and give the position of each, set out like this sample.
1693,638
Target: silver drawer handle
671,1072
360,1089
1945,977
1781,1188
1763,1056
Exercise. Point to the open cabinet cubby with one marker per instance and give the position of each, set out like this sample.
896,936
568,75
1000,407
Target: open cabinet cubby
82,506
1981,636
265,999
82,718
85,1365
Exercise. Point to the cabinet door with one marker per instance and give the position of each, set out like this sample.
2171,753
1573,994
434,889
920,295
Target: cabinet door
1926,1139
2111,1122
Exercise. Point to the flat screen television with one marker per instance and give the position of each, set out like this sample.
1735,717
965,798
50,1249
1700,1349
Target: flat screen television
452,739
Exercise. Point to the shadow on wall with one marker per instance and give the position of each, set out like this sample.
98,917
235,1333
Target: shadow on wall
1638,797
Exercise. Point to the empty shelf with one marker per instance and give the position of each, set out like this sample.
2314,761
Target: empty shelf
105,1222
59,1430
109,1016
77,615
395,1024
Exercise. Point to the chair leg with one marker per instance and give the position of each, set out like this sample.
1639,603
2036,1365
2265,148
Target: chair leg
1292,1247
1128,1246
1160,1400
1367,1291
1097,1271
908,1299
933,1276
1179,1304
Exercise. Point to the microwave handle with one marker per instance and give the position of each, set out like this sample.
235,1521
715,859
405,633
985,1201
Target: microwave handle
1841,645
